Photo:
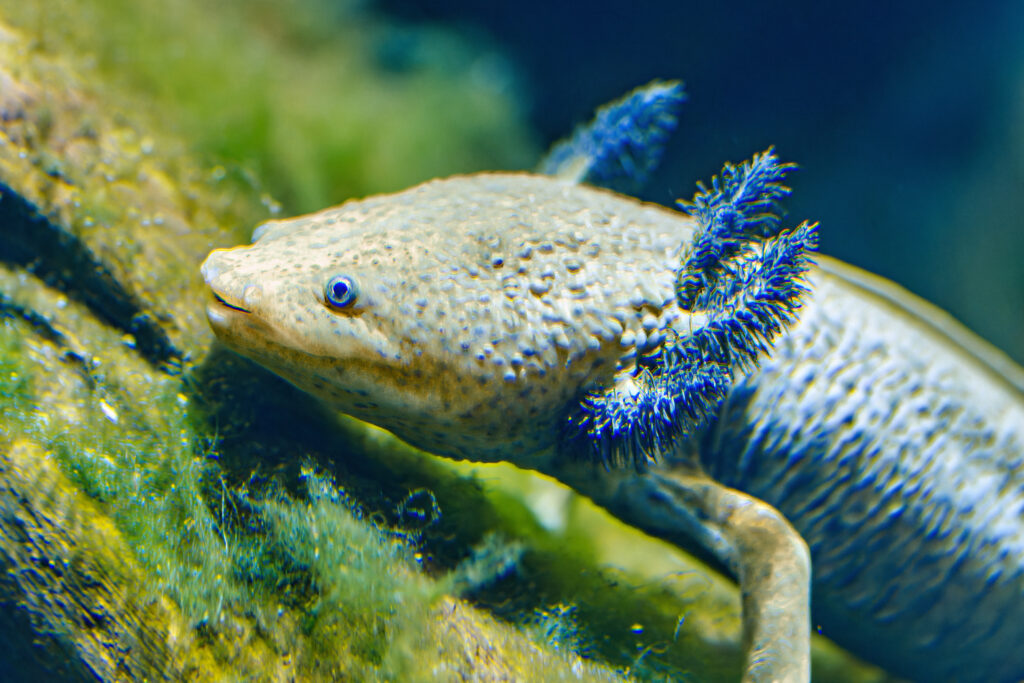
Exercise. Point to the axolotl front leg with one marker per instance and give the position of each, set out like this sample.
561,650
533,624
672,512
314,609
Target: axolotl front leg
748,537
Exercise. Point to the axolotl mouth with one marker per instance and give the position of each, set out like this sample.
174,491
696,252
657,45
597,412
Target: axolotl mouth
219,311
237,311
219,299
224,308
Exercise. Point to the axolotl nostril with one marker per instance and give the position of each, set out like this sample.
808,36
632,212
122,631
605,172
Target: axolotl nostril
468,315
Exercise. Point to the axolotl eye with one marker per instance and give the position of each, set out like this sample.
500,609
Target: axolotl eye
341,291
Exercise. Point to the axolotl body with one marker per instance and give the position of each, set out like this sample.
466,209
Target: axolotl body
468,316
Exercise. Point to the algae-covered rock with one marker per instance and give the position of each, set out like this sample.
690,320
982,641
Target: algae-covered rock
320,100
168,511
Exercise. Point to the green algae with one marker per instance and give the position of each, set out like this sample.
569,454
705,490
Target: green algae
319,101
337,593
128,204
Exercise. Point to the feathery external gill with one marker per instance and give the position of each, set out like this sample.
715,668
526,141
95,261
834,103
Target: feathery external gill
744,277
623,143
742,204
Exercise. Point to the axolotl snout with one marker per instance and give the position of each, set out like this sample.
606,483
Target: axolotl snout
468,315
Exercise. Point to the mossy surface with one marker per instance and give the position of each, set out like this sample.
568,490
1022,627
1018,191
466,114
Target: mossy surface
216,580
320,101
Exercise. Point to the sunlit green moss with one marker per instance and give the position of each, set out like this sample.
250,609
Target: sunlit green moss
150,481
339,593
363,596
188,532
320,101
14,387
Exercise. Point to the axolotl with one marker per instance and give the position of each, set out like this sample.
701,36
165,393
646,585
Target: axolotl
881,443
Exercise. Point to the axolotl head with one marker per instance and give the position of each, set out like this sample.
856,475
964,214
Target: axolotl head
466,315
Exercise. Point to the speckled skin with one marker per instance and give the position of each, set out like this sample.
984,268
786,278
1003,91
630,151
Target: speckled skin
483,308
887,435
893,441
